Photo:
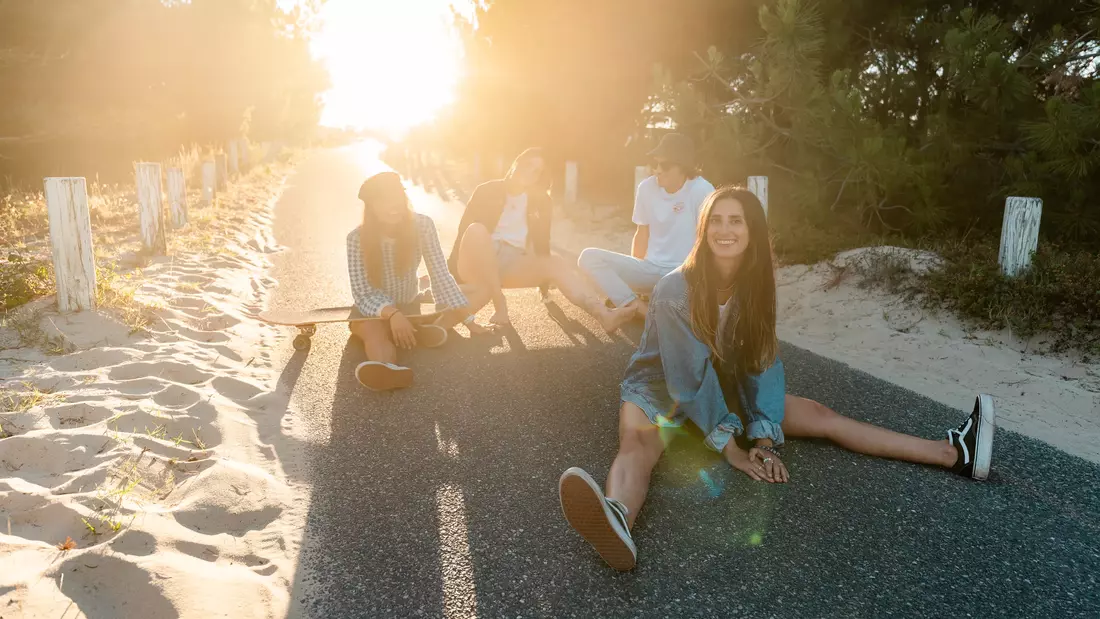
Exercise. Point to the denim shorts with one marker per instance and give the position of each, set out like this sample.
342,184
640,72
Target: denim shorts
507,255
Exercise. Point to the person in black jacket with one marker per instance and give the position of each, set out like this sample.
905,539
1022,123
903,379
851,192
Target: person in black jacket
504,242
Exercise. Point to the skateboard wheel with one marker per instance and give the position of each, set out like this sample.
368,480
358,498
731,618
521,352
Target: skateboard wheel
308,330
301,341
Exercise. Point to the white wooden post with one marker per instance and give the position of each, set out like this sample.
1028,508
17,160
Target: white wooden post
232,158
758,185
571,182
151,207
71,243
177,197
242,152
640,174
1019,234
221,167
209,182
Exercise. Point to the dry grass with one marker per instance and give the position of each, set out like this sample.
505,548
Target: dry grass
26,270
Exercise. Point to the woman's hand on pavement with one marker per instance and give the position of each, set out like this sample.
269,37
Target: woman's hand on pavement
740,460
774,469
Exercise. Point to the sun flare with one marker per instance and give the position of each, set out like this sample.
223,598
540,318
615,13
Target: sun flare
393,64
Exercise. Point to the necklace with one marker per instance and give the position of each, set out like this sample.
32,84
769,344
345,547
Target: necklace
727,288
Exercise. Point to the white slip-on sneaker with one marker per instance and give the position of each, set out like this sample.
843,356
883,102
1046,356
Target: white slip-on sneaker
379,376
600,521
974,439
430,336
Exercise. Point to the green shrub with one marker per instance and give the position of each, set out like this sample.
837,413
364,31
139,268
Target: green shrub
1059,294
23,279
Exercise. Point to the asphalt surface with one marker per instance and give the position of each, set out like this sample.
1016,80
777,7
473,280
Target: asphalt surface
441,500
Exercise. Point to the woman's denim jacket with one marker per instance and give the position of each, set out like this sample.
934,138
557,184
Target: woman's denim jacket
672,376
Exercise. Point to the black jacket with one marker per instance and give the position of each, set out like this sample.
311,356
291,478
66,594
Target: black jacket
485,206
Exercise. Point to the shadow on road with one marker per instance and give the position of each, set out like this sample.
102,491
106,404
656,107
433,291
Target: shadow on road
441,500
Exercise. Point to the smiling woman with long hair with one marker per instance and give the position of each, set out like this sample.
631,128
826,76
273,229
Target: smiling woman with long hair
709,353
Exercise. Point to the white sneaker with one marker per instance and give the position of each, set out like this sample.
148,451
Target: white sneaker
600,521
379,376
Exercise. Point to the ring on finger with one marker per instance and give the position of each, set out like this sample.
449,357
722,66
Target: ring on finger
767,460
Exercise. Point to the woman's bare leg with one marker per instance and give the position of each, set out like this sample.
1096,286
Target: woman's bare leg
809,419
640,447
531,271
477,264
375,335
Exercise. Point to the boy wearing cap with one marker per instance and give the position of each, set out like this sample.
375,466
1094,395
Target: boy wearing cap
666,212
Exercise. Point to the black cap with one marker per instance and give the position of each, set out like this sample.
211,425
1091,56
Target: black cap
677,148
381,184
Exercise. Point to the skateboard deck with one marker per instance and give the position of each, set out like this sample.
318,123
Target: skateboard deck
307,320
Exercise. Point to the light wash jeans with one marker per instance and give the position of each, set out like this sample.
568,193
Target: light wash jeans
672,377
622,278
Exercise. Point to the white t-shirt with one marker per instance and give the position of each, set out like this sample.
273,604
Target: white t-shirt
723,314
512,225
671,218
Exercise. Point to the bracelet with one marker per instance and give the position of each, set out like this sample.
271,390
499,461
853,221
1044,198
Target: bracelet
770,449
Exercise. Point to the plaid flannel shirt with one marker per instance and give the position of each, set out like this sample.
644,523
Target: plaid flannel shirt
398,288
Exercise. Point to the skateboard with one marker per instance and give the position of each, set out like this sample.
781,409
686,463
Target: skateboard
307,321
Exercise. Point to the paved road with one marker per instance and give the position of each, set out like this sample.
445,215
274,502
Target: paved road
441,501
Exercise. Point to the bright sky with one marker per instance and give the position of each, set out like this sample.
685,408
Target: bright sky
393,63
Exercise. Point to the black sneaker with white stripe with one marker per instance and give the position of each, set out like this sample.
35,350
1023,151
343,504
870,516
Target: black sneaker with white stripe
974,440
600,521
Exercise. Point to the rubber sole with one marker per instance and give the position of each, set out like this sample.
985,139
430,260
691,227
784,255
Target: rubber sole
588,513
983,445
381,377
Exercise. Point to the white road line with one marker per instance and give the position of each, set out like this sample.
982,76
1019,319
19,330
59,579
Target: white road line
455,566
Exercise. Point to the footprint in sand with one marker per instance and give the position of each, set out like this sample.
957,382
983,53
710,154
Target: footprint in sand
202,412
177,396
206,552
227,353
92,359
134,543
135,389
86,481
46,460
178,430
165,370
51,523
127,589
77,415
229,499
189,302
234,388
219,322
182,331
195,279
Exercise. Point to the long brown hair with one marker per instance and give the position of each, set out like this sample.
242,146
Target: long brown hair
545,180
370,233
754,289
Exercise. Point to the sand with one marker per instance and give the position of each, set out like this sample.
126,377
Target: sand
1051,397
159,454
